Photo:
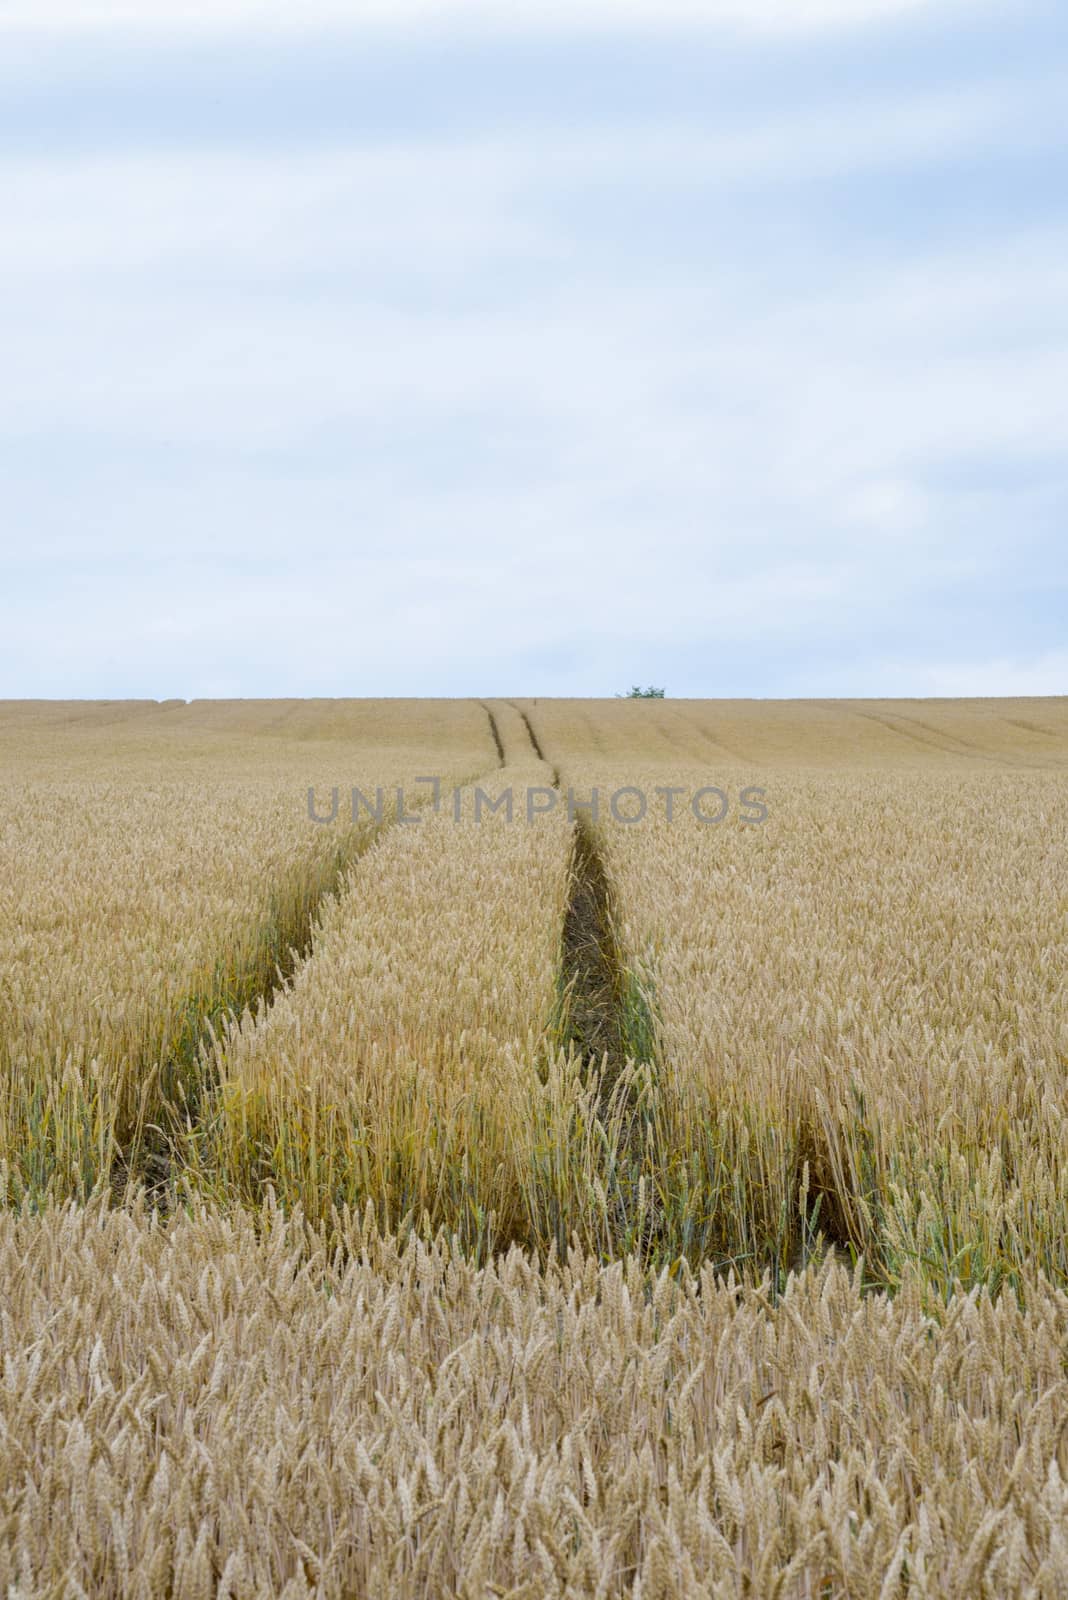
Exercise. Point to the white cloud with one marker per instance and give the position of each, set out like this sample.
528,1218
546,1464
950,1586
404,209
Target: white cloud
579,396
889,507
148,300
753,15
1045,674
456,200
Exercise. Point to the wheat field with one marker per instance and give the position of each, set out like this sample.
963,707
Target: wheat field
156,867
431,1199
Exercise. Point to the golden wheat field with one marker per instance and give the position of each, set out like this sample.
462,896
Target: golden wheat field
620,1150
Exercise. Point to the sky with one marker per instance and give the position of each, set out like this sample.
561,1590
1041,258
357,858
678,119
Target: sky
454,348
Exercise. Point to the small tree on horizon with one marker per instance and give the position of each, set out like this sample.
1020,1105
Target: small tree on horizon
638,693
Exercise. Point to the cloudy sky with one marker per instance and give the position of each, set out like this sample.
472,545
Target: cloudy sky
437,347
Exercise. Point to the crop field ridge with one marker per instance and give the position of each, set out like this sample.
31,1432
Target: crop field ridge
146,1156
593,979
535,742
495,731
590,962
149,1155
